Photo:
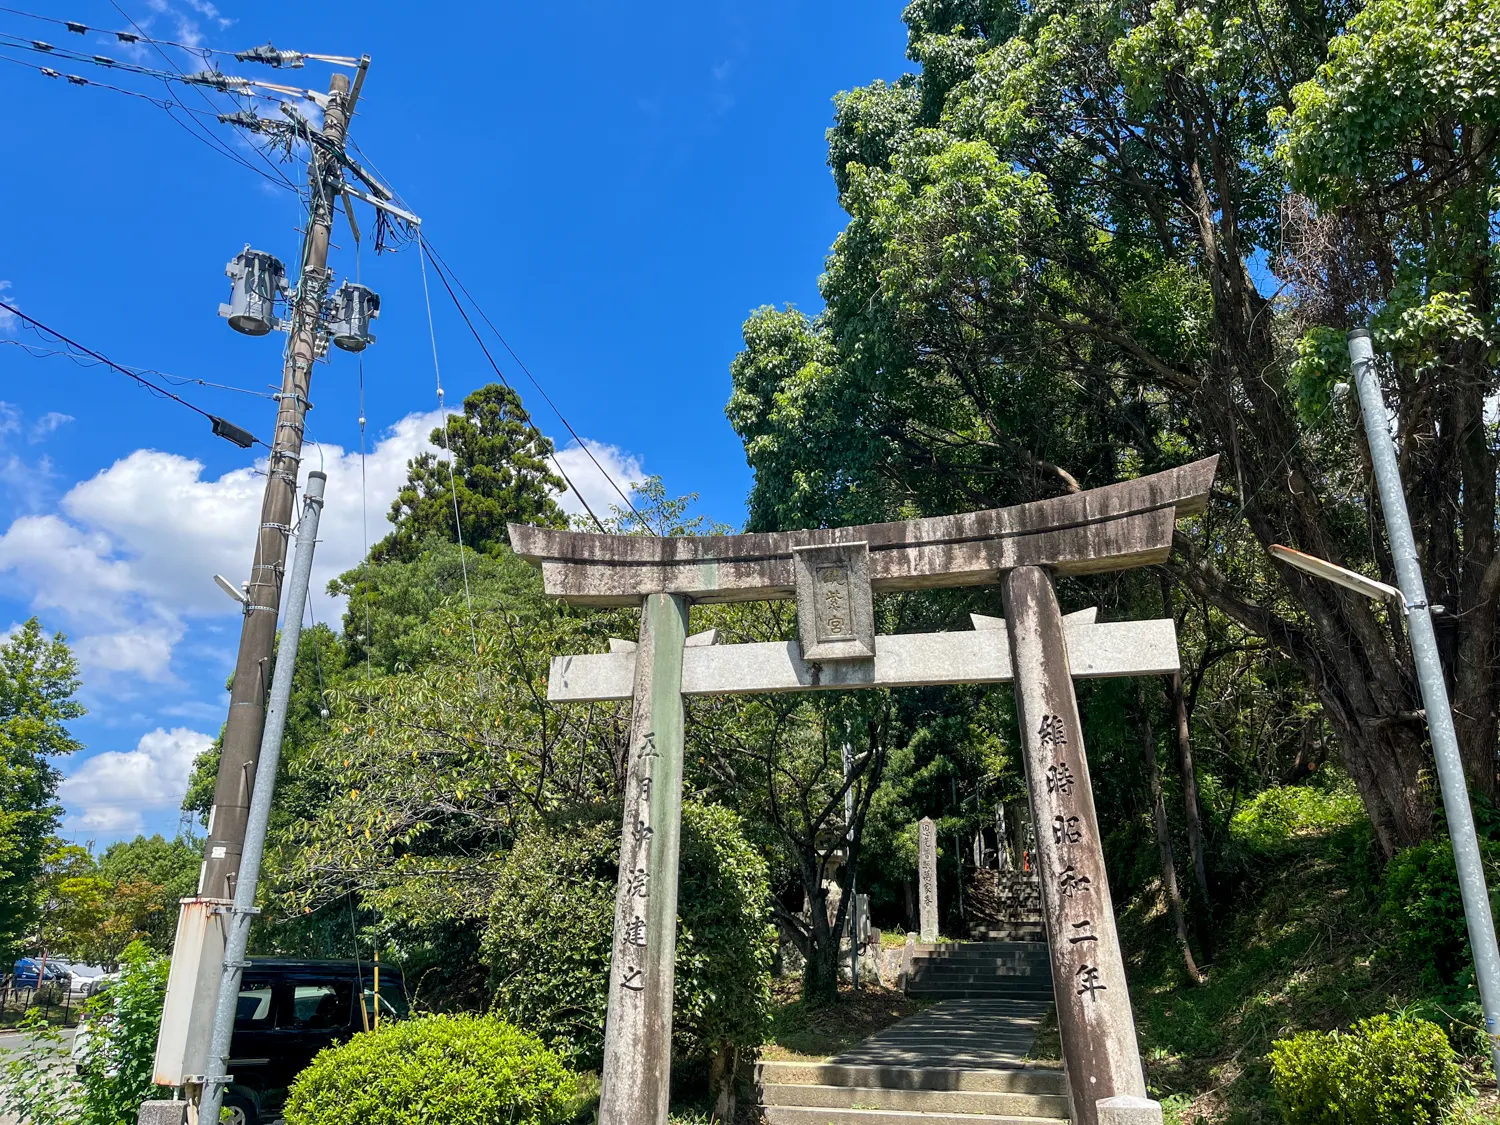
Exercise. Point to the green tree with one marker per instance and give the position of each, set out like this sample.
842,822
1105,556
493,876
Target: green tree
500,473
38,681
550,926
1054,276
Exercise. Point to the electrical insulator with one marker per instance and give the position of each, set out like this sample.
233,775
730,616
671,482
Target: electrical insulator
259,278
354,306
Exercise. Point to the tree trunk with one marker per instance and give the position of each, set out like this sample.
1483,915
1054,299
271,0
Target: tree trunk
1164,841
1192,809
820,973
721,1076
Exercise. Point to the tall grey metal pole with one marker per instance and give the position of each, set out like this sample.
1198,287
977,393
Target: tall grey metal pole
237,939
1424,652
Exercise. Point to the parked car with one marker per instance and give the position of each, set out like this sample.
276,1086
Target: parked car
28,968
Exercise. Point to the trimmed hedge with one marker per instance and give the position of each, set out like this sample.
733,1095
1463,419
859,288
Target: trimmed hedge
459,1070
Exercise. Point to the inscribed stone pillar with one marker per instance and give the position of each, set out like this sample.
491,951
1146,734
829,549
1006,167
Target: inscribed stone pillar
1088,971
636,1075
927,878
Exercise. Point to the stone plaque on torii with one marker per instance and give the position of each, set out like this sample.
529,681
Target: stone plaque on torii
832,574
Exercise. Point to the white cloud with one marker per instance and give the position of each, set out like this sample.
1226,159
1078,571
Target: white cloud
130,557
126,561
7,318
111,791
616,471
48,423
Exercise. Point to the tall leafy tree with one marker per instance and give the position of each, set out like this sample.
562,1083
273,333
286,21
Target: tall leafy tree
38,682
1074,254
500,473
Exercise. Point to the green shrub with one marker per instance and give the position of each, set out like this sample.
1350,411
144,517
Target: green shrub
460,1070
1278,815
549,935
120,1054
1421,897
1383,1071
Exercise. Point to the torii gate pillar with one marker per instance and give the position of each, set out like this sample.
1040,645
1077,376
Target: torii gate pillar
1088,971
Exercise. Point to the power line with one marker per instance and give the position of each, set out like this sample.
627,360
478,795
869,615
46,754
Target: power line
219,424
279,174
176,380
442,269
266,54
129,38
423,256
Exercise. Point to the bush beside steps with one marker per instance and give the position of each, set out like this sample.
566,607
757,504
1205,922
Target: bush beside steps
458,1070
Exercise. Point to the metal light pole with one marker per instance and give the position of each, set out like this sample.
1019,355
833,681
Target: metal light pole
237,939
1424,651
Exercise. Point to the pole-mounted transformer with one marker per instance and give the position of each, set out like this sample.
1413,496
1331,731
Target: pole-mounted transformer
354,306
259,279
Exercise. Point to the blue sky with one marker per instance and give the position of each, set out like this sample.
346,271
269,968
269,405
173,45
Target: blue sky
617,186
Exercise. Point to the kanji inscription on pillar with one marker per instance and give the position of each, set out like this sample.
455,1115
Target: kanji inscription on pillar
927,879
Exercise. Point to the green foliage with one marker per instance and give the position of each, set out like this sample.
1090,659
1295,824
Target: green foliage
1322,360
1421,897
1277,815
551,926
38,1087
38,680
500,473
121,1052
1383,1071
460,1070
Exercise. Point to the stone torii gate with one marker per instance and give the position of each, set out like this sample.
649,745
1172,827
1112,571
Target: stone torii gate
832,574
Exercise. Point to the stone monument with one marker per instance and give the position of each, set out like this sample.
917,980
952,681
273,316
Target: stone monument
832,573
927,899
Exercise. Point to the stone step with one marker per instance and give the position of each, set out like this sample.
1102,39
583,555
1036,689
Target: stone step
975,992
1000,1104
967,964
1010,968
978,948
1028,1079
807,1115
982,976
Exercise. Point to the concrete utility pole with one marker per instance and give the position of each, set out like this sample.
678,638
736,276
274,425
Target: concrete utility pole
1424,651
247,700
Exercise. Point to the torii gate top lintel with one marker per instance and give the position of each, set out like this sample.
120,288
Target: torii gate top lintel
1117,527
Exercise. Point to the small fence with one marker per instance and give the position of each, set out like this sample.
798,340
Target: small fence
58,1003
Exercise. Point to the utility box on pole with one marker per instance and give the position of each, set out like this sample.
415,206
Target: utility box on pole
187,1016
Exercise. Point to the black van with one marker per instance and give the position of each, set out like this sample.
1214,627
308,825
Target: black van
289,1010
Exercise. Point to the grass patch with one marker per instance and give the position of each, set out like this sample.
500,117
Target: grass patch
1304,947
803,1033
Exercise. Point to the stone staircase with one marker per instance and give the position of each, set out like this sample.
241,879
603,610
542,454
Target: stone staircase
981,970
832,1093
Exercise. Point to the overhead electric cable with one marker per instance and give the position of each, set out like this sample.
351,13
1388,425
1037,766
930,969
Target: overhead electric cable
279,174
127,37
106,361
176,380
79,80
458,525
426,253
